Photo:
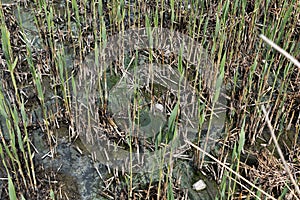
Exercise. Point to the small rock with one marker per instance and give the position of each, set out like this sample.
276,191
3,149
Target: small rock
159,107
199,185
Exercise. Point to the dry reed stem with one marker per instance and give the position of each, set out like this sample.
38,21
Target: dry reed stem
280,50
280,152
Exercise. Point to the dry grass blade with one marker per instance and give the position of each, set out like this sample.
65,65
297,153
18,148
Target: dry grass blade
279,151
280,50
233,172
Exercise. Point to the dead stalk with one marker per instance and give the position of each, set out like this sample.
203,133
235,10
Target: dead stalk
280,50
280,152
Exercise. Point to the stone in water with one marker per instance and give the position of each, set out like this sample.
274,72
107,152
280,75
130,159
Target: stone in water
199,185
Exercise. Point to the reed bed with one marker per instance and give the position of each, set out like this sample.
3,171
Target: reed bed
42,70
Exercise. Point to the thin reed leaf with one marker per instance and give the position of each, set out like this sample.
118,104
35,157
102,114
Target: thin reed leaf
11,189
172,124
52,195
242,139
6,46
170,195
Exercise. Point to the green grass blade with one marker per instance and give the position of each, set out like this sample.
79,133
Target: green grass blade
11,189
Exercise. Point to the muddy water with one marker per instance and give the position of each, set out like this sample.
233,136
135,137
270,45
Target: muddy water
72,164
79,179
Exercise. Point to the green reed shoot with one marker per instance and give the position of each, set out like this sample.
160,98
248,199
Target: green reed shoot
64,77
79,30
11,113
170,195
11,62
28,153
11,189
